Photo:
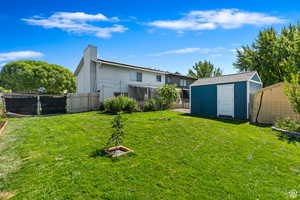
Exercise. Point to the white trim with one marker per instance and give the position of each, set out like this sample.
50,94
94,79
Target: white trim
218,97
255,82
254,75
130,67
248,98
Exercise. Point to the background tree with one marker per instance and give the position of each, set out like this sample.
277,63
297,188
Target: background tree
275,56
204,69
29,75
292,90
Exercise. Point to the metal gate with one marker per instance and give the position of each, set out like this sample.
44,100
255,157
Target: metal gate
53,104
25,105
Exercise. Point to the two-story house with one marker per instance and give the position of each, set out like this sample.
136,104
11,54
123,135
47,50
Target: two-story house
113,79
182,83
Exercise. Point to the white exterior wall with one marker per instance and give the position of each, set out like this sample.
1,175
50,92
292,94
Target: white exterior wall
112,79
84,81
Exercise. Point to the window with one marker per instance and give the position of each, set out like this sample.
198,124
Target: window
158,78
168,80
182,82
139,76
136,76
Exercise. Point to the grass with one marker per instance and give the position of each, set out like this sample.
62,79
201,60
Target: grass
183,158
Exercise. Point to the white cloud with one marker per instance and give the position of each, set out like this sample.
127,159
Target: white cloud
77,22
14,55
212,19
177,51
190,50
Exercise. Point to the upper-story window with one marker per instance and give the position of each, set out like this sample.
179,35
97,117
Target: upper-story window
182,82
136,76
139,76
158,78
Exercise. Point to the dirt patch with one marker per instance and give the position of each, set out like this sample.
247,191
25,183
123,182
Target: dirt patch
118,151
6,195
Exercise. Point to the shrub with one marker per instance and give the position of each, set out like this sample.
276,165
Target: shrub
287,124
130,105
167,95
150,105
116,137
118,104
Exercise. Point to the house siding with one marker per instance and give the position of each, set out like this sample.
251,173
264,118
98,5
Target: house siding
176,80
111,79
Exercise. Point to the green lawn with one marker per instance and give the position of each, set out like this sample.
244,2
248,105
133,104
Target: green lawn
183,158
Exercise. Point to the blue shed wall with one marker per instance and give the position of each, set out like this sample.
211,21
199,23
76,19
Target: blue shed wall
204,100
255,78
240,100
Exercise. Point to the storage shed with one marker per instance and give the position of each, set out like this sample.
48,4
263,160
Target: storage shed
224,96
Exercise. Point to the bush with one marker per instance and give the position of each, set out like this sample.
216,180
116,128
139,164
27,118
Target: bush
129,105
167,95
287,124
119,104
150,105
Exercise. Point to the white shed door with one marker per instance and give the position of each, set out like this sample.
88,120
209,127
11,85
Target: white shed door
225,98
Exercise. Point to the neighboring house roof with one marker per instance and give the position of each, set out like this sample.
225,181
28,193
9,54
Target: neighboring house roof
130,66
245,76
117,64
180,75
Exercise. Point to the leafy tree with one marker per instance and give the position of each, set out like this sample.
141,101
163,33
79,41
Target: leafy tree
3,90
204,69
29,75
292,90
275,56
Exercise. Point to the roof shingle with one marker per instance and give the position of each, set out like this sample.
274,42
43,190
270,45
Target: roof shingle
245,76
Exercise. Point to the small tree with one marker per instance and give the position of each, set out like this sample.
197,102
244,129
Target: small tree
167,95
292,90
116,137
204,69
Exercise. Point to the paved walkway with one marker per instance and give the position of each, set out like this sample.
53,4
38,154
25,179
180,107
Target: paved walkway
183,110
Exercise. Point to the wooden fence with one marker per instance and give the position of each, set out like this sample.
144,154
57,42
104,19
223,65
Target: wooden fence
82,102
269,104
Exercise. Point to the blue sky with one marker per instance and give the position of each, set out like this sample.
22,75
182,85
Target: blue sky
168,35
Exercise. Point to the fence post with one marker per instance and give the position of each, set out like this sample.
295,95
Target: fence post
68,103
38,105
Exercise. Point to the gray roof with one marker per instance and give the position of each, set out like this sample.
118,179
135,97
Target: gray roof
245,76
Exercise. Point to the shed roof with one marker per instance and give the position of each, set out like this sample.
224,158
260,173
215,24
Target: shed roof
245,76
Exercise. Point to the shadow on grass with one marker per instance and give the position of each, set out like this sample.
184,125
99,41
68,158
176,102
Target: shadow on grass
98,153
225,120
102,153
